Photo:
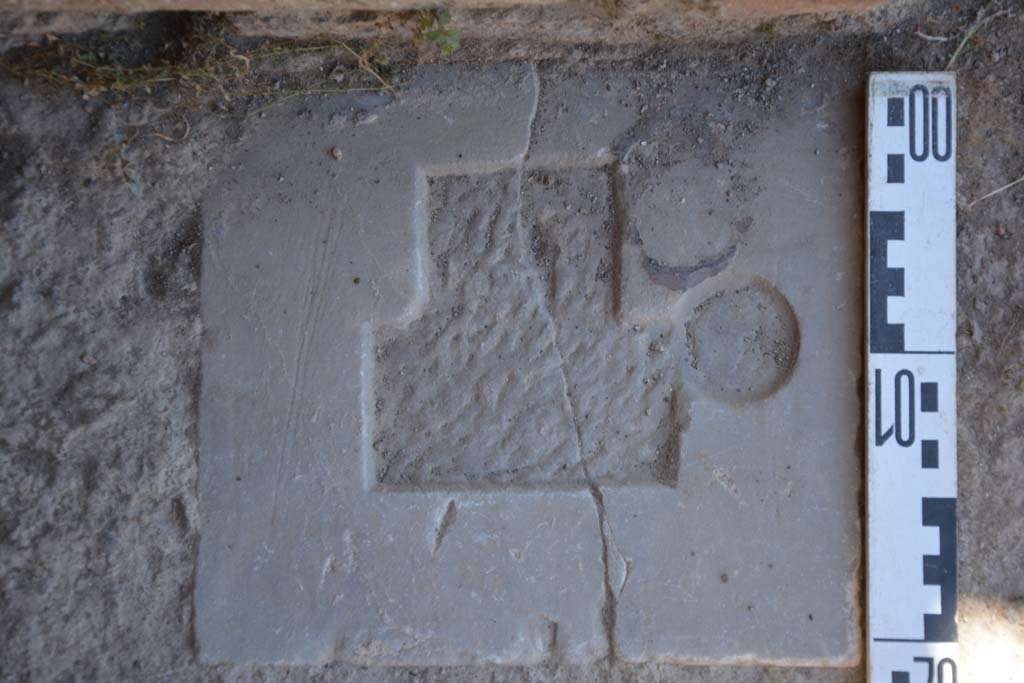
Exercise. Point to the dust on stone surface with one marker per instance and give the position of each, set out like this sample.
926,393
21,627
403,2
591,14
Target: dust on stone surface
743,343
97,410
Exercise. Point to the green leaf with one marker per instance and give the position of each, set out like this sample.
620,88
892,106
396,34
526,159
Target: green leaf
445,38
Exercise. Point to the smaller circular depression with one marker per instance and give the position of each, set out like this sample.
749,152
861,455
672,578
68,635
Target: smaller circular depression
743,342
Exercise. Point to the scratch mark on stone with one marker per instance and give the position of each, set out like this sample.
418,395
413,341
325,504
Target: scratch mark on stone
312,307
725,479
804,194
447,519
327,569
348,558
552,640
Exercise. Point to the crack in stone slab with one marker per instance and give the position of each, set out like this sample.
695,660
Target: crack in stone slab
500,418
609,609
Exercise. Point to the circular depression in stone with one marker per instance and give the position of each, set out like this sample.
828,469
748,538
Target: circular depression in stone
685,214
743,342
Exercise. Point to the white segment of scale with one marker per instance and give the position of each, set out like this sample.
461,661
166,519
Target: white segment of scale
911,377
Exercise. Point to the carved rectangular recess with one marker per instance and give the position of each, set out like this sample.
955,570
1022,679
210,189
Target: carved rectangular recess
518,370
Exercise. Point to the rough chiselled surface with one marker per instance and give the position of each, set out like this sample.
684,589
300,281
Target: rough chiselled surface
472,391
521,358
620,383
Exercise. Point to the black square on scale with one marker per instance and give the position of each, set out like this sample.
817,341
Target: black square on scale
929,397
894,168
929,454
895,117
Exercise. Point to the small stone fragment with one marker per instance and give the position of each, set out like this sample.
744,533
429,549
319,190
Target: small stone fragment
339,74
